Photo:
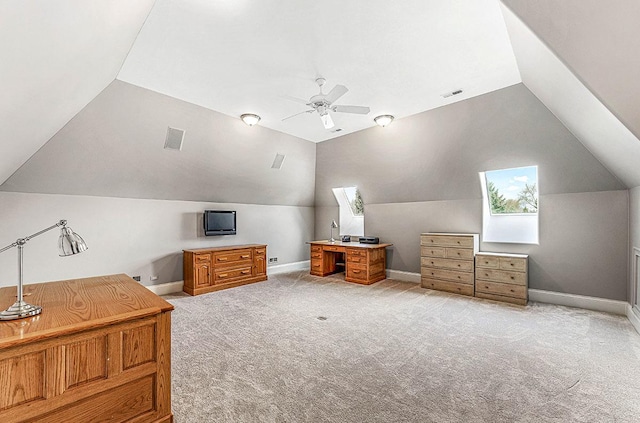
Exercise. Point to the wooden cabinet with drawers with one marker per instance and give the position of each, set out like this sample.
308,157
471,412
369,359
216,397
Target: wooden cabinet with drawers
363,263
502,277
99,352
212,269
447,262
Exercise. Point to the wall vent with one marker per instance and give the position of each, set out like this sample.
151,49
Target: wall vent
174,139
452,93
277,162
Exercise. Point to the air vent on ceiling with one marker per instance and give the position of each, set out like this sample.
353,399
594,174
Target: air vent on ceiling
452,93
174,139
337,130
277,162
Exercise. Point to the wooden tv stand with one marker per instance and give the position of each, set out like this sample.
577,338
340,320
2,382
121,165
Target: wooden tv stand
363,263
213,269
100,351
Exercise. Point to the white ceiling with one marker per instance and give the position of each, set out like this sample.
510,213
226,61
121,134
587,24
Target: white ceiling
55,57
245,56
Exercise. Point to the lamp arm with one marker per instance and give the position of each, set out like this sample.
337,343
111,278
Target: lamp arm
22,241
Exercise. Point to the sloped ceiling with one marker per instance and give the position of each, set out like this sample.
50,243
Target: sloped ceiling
57,56
597,40
576,28
245,56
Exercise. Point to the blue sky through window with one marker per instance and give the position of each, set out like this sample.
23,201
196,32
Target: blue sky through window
510,182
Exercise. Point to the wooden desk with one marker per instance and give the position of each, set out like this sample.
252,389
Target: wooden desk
100,351
364,263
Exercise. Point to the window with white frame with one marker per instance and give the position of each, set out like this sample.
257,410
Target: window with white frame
510,205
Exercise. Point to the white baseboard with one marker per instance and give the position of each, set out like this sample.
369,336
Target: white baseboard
579,301
403,276
634,317
289,267
166,288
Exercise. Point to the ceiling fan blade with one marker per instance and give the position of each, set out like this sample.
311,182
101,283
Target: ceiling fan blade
295,99
327,121
306,111
337,92
361,110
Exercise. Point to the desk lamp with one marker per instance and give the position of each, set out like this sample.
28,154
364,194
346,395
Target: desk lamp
69,243
333,226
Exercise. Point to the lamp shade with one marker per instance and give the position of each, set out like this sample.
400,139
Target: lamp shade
250,118
70,243
383,120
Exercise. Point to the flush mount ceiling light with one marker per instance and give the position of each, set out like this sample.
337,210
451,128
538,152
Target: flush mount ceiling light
383,120
250,119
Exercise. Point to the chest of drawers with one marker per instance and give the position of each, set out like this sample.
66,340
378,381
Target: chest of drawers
447,261
502,277
212,269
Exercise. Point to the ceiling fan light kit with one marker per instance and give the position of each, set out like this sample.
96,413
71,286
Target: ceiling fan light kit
250,118
383,120
323,104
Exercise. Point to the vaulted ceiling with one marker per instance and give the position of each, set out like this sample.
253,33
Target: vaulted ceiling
579,57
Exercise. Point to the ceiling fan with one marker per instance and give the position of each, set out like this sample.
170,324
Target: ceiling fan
323,104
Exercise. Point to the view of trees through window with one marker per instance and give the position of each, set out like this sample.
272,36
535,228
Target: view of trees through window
513,190
355,201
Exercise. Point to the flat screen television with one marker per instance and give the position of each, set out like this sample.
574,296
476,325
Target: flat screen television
219,222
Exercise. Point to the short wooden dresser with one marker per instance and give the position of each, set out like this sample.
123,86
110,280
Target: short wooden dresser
212,269
446,261
502,277
99,352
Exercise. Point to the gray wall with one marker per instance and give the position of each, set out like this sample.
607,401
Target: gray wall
423,176
634,240
114,148
129,193
137,236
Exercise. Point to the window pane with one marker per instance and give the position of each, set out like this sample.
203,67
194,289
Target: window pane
513,191
355,201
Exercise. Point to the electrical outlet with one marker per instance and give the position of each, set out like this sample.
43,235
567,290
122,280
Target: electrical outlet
273,259
136,278
153,278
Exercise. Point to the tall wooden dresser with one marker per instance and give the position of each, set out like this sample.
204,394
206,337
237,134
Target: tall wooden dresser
502,277
447,261
212,269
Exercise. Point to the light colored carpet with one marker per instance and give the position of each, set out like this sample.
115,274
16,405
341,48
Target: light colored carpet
394,352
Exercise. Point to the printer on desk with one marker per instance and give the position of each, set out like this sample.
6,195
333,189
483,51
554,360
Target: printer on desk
369,240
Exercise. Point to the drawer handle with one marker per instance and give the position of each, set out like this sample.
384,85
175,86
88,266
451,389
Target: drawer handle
512,277
458,242
245,272
245,256
513,290
486,274
458,265
458,277
432,274
431,262
356,271
486,287
223,275
510,264
486,262
316,265
222,259
259,252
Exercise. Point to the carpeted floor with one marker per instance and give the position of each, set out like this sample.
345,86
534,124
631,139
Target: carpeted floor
299,348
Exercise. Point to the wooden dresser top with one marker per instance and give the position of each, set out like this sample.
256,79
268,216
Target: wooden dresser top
224,248
76,305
